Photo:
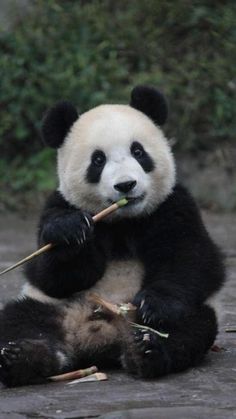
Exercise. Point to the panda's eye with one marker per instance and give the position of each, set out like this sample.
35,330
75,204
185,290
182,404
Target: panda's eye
98,158
137,150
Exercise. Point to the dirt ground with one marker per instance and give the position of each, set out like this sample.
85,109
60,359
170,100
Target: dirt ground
199,392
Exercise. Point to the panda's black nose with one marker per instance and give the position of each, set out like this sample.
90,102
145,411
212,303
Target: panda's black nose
125,186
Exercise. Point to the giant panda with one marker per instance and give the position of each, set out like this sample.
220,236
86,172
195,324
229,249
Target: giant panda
155,253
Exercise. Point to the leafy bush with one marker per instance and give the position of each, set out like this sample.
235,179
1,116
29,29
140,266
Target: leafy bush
92,52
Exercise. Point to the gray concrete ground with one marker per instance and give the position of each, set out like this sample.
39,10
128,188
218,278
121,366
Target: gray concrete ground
203,391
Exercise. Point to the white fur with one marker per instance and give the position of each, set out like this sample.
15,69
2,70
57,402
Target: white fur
216,303
62,359
113,128
84,334
121,281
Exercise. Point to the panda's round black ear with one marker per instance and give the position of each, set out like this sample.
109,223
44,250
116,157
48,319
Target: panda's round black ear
150,101
57,122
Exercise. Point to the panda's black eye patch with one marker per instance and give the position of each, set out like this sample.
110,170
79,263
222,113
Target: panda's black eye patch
94,171
142,157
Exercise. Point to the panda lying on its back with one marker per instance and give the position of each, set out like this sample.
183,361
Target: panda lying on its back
155,252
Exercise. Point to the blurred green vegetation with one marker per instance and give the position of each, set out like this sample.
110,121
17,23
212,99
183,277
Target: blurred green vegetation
92,52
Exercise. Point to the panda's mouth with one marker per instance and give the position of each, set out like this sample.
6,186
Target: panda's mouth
133,200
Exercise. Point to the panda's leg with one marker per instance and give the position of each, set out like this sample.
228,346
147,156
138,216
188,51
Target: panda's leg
31,343
149,355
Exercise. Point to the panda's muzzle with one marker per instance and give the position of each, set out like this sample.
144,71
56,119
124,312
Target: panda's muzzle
135,199
125,187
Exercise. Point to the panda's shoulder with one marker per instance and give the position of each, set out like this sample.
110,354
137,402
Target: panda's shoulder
179,205
56,200
54,206
180,197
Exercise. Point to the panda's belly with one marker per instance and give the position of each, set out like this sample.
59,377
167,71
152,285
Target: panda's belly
86,333
120,282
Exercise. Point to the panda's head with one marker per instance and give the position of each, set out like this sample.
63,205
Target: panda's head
113,151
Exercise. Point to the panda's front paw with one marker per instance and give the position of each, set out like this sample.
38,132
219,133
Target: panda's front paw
71,230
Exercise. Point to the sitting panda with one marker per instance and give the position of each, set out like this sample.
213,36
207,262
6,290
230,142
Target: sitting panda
154,252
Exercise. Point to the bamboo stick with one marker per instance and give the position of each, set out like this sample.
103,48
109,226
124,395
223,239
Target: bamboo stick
98,376
48,246
74,374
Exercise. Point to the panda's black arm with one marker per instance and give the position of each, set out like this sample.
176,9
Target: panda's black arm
76,261
183,265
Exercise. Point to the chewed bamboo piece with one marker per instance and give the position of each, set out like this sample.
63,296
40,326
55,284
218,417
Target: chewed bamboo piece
123,310
230,330
98,376
48,246
74,374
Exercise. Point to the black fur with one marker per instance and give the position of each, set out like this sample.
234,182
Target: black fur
185,347
57,123
182,269
151,102
142,157
30,334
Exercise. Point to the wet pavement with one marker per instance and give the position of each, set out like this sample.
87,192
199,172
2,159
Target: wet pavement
207,390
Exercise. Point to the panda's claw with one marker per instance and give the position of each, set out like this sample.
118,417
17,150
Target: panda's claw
145,317
79,241
2,351
148,352
87,221
66,240
142,303
148,319
84,235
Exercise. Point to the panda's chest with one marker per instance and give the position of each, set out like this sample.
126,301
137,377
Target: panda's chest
121,281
